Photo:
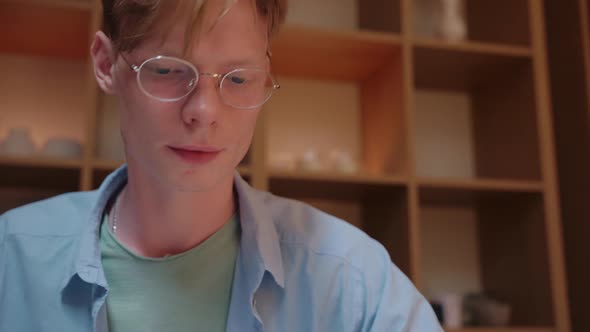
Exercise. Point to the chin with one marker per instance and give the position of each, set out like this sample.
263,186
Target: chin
197,183
201,179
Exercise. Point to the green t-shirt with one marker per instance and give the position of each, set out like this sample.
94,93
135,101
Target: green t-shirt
190,291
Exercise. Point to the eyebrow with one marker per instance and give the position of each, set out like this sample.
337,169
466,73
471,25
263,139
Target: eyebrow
250,60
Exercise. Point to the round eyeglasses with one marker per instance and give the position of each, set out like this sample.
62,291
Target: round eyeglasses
170,79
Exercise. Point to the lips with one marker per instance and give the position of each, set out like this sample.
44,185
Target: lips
196,155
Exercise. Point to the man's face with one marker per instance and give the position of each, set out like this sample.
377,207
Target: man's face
193,144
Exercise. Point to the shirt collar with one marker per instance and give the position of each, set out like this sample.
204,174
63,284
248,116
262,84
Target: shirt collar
88,264
260,238
259,246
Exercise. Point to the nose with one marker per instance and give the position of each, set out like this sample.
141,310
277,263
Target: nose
203,105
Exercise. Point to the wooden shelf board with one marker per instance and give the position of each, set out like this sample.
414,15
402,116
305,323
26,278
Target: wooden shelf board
315,53
482,184
359,178
468,192
55,174
41,162
465,66
323,185
54,31
503,329
474,47
107,165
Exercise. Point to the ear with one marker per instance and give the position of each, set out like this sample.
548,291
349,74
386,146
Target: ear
103,59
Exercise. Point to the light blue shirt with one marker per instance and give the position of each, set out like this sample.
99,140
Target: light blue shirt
298,269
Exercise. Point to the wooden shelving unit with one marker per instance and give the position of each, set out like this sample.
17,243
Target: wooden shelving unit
362,88
361,179
48,25
464,66
569,63
106,165
41,162
475,47
62,178
516,329
449,191
331,54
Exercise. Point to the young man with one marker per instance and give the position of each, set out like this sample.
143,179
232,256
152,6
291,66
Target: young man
175,240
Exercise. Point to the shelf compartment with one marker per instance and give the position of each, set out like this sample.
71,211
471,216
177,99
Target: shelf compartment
41,162
468,192
324,54
466,66
46,96
64,177
475,114
499,21
365,118
380,15
13,197
378,208
45,29
503,329
350,15
493,21
495,244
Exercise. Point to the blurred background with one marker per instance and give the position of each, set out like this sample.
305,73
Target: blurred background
455,132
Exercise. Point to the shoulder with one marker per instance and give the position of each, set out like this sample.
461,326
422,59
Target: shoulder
329,258
61,215
310,231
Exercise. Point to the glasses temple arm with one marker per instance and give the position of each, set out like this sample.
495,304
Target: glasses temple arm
132,67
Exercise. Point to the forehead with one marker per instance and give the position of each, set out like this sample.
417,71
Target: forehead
216,33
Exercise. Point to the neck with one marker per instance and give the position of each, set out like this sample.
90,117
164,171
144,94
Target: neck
155,221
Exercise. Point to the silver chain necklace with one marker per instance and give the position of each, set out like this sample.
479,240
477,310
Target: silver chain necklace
115,214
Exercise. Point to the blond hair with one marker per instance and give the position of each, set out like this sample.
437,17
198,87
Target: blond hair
129,22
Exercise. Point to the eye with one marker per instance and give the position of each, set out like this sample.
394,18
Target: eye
162,71
166,68
237,80
159,70
168,71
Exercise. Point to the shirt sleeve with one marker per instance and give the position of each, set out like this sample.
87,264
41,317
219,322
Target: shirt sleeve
391,302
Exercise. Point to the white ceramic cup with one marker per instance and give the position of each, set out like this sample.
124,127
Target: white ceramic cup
452,310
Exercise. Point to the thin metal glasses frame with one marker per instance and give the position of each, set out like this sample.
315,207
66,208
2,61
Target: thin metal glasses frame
220,78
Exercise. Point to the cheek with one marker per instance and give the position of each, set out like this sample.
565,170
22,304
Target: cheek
143,120
139,115
245,126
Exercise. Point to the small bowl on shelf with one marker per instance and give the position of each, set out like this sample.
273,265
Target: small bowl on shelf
62,148
18,143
